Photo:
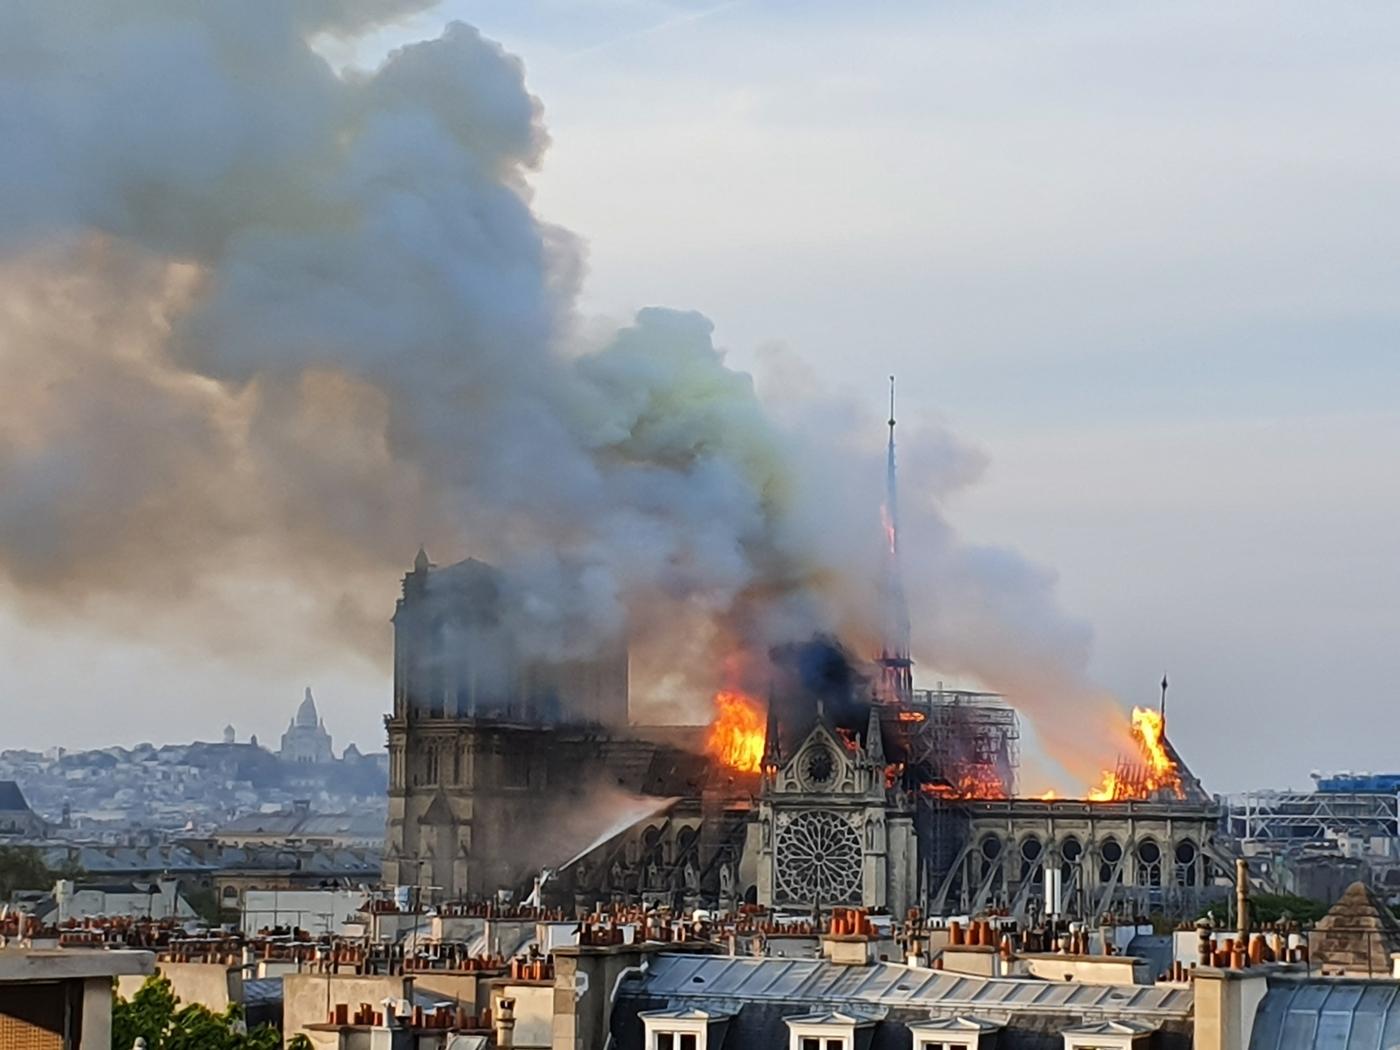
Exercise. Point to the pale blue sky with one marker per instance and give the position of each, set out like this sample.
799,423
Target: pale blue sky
1142,255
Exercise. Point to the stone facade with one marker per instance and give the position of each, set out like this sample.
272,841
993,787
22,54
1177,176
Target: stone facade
479,806
1080,858
306,740
502,764
827,832
457,657
498,760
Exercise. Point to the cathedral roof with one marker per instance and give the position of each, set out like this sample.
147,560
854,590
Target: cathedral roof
11,798
472,587
469,571
306,713
1190,784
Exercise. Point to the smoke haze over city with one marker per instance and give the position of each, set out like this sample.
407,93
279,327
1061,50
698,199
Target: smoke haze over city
283,297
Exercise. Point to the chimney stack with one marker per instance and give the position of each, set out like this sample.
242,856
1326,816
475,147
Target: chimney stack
505,1022
1242,901
1205,948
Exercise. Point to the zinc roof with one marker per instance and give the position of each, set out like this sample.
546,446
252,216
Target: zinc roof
680,977
1327,1014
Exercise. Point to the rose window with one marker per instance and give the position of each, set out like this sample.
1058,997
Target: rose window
819,858
820,766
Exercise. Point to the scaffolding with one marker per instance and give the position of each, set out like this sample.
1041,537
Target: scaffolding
1292,817
968,741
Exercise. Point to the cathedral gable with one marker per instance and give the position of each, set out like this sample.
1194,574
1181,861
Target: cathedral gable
823,764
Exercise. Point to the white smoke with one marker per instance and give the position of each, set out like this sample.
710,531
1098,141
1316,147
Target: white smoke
265,326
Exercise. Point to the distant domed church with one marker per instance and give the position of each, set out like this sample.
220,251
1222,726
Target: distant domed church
306,739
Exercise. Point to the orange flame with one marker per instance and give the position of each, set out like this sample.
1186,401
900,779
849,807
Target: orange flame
1157,773
887,523
1110,788
737,732
977,783
981,782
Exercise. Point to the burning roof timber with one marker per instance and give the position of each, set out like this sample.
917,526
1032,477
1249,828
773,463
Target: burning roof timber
945,747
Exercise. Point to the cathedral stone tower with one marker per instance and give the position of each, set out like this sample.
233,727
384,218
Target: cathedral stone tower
489,747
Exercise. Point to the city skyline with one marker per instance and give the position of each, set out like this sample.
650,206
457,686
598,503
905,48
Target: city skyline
1133,262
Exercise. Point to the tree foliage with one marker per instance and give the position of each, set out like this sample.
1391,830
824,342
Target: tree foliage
1272,907
205,903
154,1013
23,868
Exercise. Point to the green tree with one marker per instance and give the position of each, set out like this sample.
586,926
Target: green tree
1272,907
148,1015
154,1014
205,904
23,868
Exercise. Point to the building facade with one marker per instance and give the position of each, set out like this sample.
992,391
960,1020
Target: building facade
1070,857
827,831
496,756
306,740
62,999
503,765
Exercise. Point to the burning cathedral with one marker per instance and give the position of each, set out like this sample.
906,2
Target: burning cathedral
845,785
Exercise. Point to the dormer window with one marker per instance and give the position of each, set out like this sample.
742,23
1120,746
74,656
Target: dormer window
1109,1035
954,1033
684,1029
837,1030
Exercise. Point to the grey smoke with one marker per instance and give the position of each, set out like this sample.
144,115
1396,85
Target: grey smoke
265,326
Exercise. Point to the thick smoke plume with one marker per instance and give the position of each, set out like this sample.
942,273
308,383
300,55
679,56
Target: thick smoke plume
265,326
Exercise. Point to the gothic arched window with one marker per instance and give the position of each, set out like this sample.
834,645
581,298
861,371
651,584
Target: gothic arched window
1111,853
1149,856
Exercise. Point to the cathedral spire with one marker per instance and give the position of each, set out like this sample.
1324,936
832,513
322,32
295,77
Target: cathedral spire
772,747
875,739
896,667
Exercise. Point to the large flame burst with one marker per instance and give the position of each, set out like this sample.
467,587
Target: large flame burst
979,782
736,734
1156,773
